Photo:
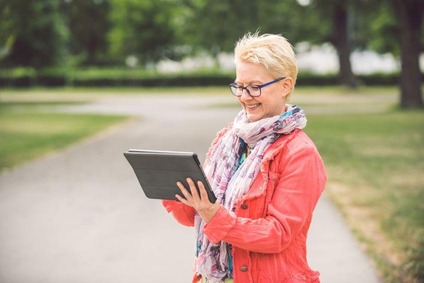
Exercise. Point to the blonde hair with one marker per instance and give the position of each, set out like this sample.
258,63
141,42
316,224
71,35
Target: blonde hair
271,50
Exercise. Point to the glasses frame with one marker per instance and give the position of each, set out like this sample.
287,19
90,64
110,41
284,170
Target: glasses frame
237,87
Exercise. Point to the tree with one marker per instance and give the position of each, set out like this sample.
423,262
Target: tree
218,23
336,17
397,27
88,25
37,33
341,39
409,14
7,29
141,28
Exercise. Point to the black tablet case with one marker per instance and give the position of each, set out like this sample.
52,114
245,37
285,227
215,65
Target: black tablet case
159,171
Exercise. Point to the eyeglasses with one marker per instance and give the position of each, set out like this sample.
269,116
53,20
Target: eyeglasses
252,90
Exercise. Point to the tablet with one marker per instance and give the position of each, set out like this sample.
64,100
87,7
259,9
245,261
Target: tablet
159,171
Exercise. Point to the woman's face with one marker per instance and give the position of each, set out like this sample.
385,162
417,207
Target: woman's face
272,100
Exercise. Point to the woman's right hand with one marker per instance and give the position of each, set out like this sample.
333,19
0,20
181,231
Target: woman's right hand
200,202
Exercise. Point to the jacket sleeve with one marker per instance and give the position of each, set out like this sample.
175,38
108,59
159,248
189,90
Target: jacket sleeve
182,213
301,181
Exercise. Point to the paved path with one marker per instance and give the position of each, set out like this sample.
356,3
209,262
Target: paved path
79,216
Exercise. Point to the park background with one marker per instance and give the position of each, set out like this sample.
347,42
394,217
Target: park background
360,53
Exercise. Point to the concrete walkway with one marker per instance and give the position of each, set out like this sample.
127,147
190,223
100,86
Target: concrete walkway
79,216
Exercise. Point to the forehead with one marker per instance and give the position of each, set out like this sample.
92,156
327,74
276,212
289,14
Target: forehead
251,72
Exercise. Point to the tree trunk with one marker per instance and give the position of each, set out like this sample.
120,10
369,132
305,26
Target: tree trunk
409,14
340,38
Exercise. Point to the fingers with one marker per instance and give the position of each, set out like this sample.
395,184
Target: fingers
202,189
193,195
187,196
198,199
193,190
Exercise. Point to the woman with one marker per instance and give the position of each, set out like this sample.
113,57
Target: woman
266,173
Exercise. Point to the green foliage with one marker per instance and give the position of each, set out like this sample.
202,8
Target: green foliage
7,37
142,29
108,31
37,31
88,25
220,24
372,24
104,77
288,18
384,23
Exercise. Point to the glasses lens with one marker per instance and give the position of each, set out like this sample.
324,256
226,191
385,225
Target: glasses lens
234,89
254,90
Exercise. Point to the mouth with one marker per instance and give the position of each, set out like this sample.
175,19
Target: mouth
252,106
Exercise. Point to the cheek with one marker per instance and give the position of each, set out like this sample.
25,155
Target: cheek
275,106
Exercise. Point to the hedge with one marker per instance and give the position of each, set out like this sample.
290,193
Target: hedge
58,79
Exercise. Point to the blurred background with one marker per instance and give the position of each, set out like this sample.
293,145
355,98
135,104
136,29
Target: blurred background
360,82
124,42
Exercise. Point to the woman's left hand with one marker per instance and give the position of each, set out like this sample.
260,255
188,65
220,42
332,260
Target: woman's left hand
200,202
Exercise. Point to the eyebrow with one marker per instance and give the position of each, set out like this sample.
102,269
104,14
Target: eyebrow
250,83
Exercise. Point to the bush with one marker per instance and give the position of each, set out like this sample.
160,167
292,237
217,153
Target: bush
110,77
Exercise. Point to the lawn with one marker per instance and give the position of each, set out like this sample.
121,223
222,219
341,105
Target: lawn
375,164
374,154
28,129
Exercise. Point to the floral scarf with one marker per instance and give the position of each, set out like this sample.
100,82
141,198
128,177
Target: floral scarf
230,182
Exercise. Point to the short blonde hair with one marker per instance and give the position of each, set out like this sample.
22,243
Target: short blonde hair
271,50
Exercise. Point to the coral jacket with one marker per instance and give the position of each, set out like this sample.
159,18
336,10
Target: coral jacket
269,226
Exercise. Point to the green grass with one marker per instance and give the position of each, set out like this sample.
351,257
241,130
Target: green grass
376,169
27,131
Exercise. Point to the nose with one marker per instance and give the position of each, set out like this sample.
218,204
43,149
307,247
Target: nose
245,95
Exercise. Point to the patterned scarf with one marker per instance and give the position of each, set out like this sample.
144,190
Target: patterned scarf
230,182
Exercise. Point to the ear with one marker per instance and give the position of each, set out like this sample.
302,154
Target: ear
287,86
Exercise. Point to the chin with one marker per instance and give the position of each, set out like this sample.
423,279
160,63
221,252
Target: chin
253,117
